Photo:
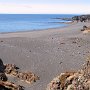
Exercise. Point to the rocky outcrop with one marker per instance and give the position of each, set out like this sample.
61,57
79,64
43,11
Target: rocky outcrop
1,66
2,74
85,29
3,77
79,80
10,86
4,84
28,77
81,18
12,69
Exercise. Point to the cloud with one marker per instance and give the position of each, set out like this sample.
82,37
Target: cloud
43,8
14,8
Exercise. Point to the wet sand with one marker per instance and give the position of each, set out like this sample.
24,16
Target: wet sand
46,53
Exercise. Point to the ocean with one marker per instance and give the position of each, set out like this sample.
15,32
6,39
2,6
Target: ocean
29,22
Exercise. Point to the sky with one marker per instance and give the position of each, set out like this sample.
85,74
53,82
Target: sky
45,6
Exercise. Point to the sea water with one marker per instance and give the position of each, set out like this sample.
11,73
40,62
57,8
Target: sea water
28,22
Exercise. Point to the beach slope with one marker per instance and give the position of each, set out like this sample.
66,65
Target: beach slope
47,53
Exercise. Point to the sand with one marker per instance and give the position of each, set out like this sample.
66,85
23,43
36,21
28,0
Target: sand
46,53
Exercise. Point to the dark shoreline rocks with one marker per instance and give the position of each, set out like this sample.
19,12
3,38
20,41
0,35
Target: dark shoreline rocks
81,18
66,19
78,18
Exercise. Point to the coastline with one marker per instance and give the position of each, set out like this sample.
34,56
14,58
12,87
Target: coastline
40,30
47,53
67,24
42,21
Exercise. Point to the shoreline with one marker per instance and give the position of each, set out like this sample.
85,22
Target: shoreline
67,24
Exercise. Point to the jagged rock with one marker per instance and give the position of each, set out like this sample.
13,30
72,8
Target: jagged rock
79,80
2,74
12,69
29,77
1,66
85,29
3,77
4,85
10,86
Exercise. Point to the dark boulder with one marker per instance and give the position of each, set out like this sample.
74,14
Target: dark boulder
2,74
3,77
2,67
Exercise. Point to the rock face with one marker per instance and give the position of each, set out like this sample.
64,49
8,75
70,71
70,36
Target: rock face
10,86
3,77
72,80
28,77
4,84
12,69
1,66
2,74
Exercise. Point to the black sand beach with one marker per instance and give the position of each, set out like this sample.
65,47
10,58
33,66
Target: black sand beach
46,53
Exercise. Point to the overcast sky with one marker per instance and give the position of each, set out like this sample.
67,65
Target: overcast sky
45,6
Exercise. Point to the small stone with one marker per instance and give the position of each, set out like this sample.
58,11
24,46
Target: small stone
79,46
60,62
1,41
74,42
87,52
62,43
30,51
79,53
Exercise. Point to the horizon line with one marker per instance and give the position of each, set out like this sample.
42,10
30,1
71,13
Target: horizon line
45,13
